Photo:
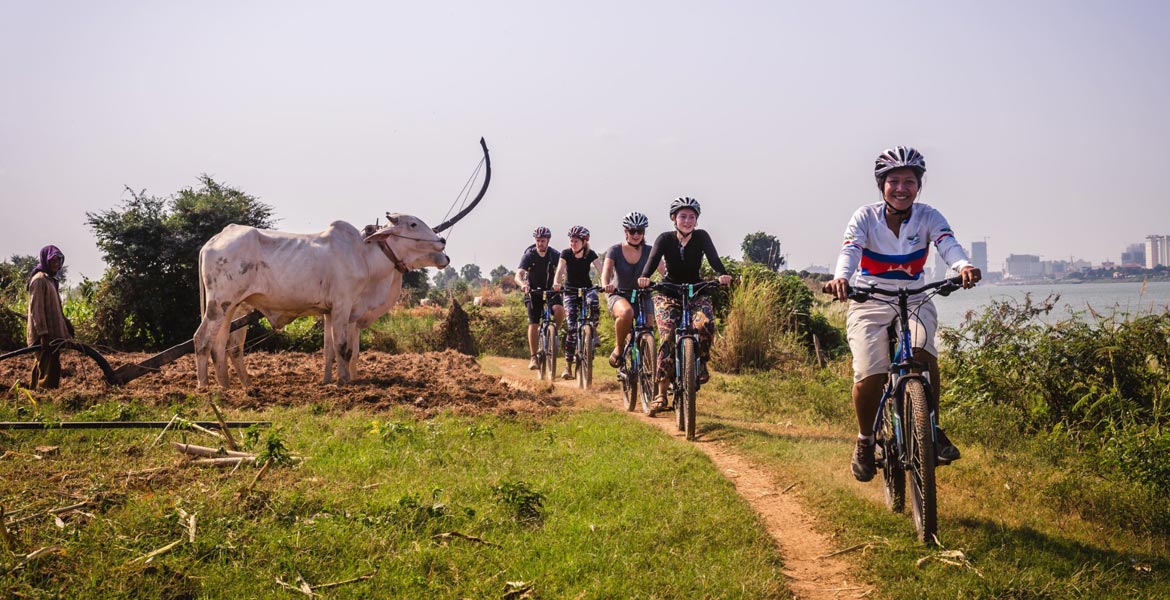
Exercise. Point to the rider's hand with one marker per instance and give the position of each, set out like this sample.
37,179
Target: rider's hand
609,288
643,282
839,288
556,287
524,288
970,276
725,280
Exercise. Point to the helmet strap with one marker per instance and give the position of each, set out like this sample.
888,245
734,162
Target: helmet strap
904,214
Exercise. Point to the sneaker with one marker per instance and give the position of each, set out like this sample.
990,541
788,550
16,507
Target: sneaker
863,461
704,376
615,358
568,374
532,366
658,405
946,450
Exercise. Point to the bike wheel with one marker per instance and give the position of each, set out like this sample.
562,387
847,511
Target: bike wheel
628,376
920,450
585,357
891,463
689,385
548,367
647,381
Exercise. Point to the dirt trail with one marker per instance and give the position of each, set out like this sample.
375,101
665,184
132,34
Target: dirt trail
812,574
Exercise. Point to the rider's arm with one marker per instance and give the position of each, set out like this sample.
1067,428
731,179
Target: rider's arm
607,273
655,256
522,279
712,255
559,276
596,265
856,236
944,240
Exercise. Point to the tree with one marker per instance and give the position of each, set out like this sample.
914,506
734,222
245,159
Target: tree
415,285
149,295
762,248
470,273
499,273
445,278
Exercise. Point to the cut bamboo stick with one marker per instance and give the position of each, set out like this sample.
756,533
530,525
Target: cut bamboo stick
207,451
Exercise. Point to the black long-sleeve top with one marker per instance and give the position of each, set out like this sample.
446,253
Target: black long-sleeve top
683,262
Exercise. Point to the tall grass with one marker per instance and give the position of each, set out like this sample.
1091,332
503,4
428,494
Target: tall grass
756,334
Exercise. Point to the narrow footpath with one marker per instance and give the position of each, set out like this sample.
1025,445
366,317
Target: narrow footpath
813,574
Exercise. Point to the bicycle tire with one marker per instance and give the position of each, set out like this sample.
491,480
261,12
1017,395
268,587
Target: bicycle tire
628,376
585,357
893,474
690,385
920,442
647,370
549,367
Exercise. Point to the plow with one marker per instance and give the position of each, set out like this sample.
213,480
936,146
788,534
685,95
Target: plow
131,371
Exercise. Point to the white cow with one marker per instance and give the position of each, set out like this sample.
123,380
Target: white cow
347,278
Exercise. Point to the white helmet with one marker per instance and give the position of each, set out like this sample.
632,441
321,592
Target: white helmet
898,157
684,202
635,220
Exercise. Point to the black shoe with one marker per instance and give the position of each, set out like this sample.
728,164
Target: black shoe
863,462
947,452
704,376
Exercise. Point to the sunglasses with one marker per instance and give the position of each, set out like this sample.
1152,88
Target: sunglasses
636,231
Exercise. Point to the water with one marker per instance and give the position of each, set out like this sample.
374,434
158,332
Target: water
1103,297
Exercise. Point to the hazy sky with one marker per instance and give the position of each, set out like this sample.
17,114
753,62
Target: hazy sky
1044,124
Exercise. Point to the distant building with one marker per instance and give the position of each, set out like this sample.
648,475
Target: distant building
817,269
1157,251
1134,256
979,255
1023,266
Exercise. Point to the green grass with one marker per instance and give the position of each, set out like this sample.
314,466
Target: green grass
585,504
1001,510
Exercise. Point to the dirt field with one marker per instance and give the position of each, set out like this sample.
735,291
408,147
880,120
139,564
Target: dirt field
426,383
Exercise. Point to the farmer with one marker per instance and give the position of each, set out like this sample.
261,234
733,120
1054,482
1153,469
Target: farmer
47,324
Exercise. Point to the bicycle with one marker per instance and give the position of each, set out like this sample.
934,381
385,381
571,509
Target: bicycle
906,429
637,371
687,364
546,348
586,337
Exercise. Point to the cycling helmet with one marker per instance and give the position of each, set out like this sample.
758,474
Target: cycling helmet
899,157
635,220
542,232
684,202
578,231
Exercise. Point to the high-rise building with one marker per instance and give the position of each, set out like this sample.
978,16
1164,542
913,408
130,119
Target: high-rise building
979,255
1157,251
1134,256
1022,266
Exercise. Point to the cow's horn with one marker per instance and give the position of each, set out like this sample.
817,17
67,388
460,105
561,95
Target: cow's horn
392,219
487,178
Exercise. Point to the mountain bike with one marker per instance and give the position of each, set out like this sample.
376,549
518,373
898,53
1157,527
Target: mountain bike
687,364
639,357
546,348
905,428
586,336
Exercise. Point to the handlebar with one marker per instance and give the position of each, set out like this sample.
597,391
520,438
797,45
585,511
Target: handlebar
690,288
861,294
580,290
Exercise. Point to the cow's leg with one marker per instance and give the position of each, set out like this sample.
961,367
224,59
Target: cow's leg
328,349
204,337
354,335
219,346
342,343
235,351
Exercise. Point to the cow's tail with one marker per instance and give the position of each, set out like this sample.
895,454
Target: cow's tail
202,288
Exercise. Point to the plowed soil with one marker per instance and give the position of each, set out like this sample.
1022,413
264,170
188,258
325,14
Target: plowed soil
425,383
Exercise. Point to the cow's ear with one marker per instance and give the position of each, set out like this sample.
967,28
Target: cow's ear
369,230
378,234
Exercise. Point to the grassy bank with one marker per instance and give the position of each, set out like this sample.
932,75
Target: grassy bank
1015,530
586,504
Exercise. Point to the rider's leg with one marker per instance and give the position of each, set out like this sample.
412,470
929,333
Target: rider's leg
559,314
703,319
865,326
666,314
623,318
867,393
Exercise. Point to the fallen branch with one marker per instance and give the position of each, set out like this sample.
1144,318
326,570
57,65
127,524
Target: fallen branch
789,487
198,427
194,450
302,587
455,534
161,433
354,580
223,462
65,509
955,558
865,546
227,434
34,555
145,558
248,490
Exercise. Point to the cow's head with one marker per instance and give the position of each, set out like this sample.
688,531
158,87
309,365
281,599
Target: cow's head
410,240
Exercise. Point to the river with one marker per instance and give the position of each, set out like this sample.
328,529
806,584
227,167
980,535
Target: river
1103,297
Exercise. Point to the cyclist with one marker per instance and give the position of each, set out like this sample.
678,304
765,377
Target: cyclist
536,269
574,271
683,250
890,241
623,264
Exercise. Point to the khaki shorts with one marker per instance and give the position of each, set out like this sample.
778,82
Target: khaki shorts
865,327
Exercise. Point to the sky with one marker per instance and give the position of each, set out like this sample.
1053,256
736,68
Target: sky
1044,124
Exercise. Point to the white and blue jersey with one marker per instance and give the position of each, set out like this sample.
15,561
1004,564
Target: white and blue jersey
892,261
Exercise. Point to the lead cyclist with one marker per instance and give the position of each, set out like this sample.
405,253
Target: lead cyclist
887,244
